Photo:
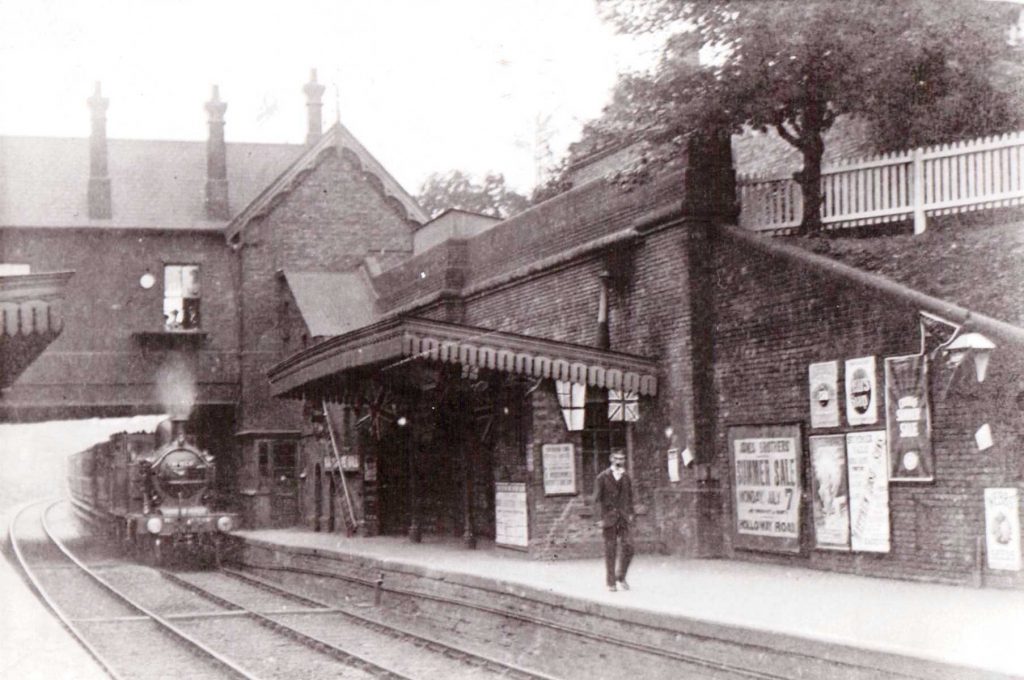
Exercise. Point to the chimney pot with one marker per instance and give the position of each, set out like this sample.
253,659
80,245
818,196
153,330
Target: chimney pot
216,160
314,108
99,177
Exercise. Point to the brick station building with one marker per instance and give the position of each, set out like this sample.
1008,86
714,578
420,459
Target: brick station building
358,367
494,371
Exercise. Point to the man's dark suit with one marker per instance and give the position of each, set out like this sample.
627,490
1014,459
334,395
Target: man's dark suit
614,499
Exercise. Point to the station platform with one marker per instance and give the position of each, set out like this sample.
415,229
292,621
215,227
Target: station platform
973,628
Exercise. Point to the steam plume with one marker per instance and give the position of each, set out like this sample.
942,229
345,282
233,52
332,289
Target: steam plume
176,387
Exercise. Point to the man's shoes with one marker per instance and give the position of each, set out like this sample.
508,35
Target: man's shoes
611,589
623,585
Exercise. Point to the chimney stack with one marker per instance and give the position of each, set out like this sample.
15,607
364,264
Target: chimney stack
314,106
99,177
216,160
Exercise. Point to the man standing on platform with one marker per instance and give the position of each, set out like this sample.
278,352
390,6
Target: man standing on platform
613,495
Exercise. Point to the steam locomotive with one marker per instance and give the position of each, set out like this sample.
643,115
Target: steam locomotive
154,493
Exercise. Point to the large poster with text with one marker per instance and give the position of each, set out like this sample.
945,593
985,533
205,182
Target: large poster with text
765,462
908,419
830,492
869,491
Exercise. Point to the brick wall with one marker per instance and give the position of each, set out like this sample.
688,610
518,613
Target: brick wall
773,318
331,221
97,366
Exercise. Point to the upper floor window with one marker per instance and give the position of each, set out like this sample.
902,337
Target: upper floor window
181,296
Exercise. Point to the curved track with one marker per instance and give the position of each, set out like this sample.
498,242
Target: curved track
221,623
116,631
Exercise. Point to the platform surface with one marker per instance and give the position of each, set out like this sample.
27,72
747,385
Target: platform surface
33,643
960,625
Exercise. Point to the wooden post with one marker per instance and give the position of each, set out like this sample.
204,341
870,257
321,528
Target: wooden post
415,533
920,222
468,537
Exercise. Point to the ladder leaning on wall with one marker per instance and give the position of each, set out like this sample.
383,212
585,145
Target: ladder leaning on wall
351,524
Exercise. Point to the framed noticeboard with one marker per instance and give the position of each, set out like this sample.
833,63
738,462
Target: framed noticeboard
765,463
511,525
559,463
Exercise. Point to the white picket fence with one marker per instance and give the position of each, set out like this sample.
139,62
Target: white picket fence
972,175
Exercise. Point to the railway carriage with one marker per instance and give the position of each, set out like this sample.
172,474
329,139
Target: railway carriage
153,492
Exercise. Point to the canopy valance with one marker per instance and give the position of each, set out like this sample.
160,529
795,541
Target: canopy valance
407,338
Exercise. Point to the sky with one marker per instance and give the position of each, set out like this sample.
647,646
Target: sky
426,85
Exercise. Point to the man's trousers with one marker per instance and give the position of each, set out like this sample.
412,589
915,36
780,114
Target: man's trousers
615,536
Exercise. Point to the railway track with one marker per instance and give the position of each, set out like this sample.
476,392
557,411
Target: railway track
685,656
124,638
139,622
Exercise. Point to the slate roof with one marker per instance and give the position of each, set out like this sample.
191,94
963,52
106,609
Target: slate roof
154,184
332,303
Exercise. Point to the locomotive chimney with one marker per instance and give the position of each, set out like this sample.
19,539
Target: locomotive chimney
216,160
99,177
178,426
314,109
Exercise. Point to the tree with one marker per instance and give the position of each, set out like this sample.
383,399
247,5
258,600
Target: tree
913,68
456,189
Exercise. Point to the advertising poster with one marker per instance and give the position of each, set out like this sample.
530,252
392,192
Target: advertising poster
868,467
908,421
823,383
766,482
830,492
510,521
1002,529
559,461
861,392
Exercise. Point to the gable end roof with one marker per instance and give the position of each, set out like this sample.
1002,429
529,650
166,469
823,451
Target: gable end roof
338,140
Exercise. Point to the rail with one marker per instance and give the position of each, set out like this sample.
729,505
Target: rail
164,624
912,185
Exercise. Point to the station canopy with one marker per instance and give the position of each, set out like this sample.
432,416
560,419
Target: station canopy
332,368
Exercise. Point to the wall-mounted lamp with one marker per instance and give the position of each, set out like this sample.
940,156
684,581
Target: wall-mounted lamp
974,344
147,280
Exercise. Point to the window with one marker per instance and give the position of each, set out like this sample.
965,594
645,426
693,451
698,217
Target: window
181,296
284,461
600,437
571,399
